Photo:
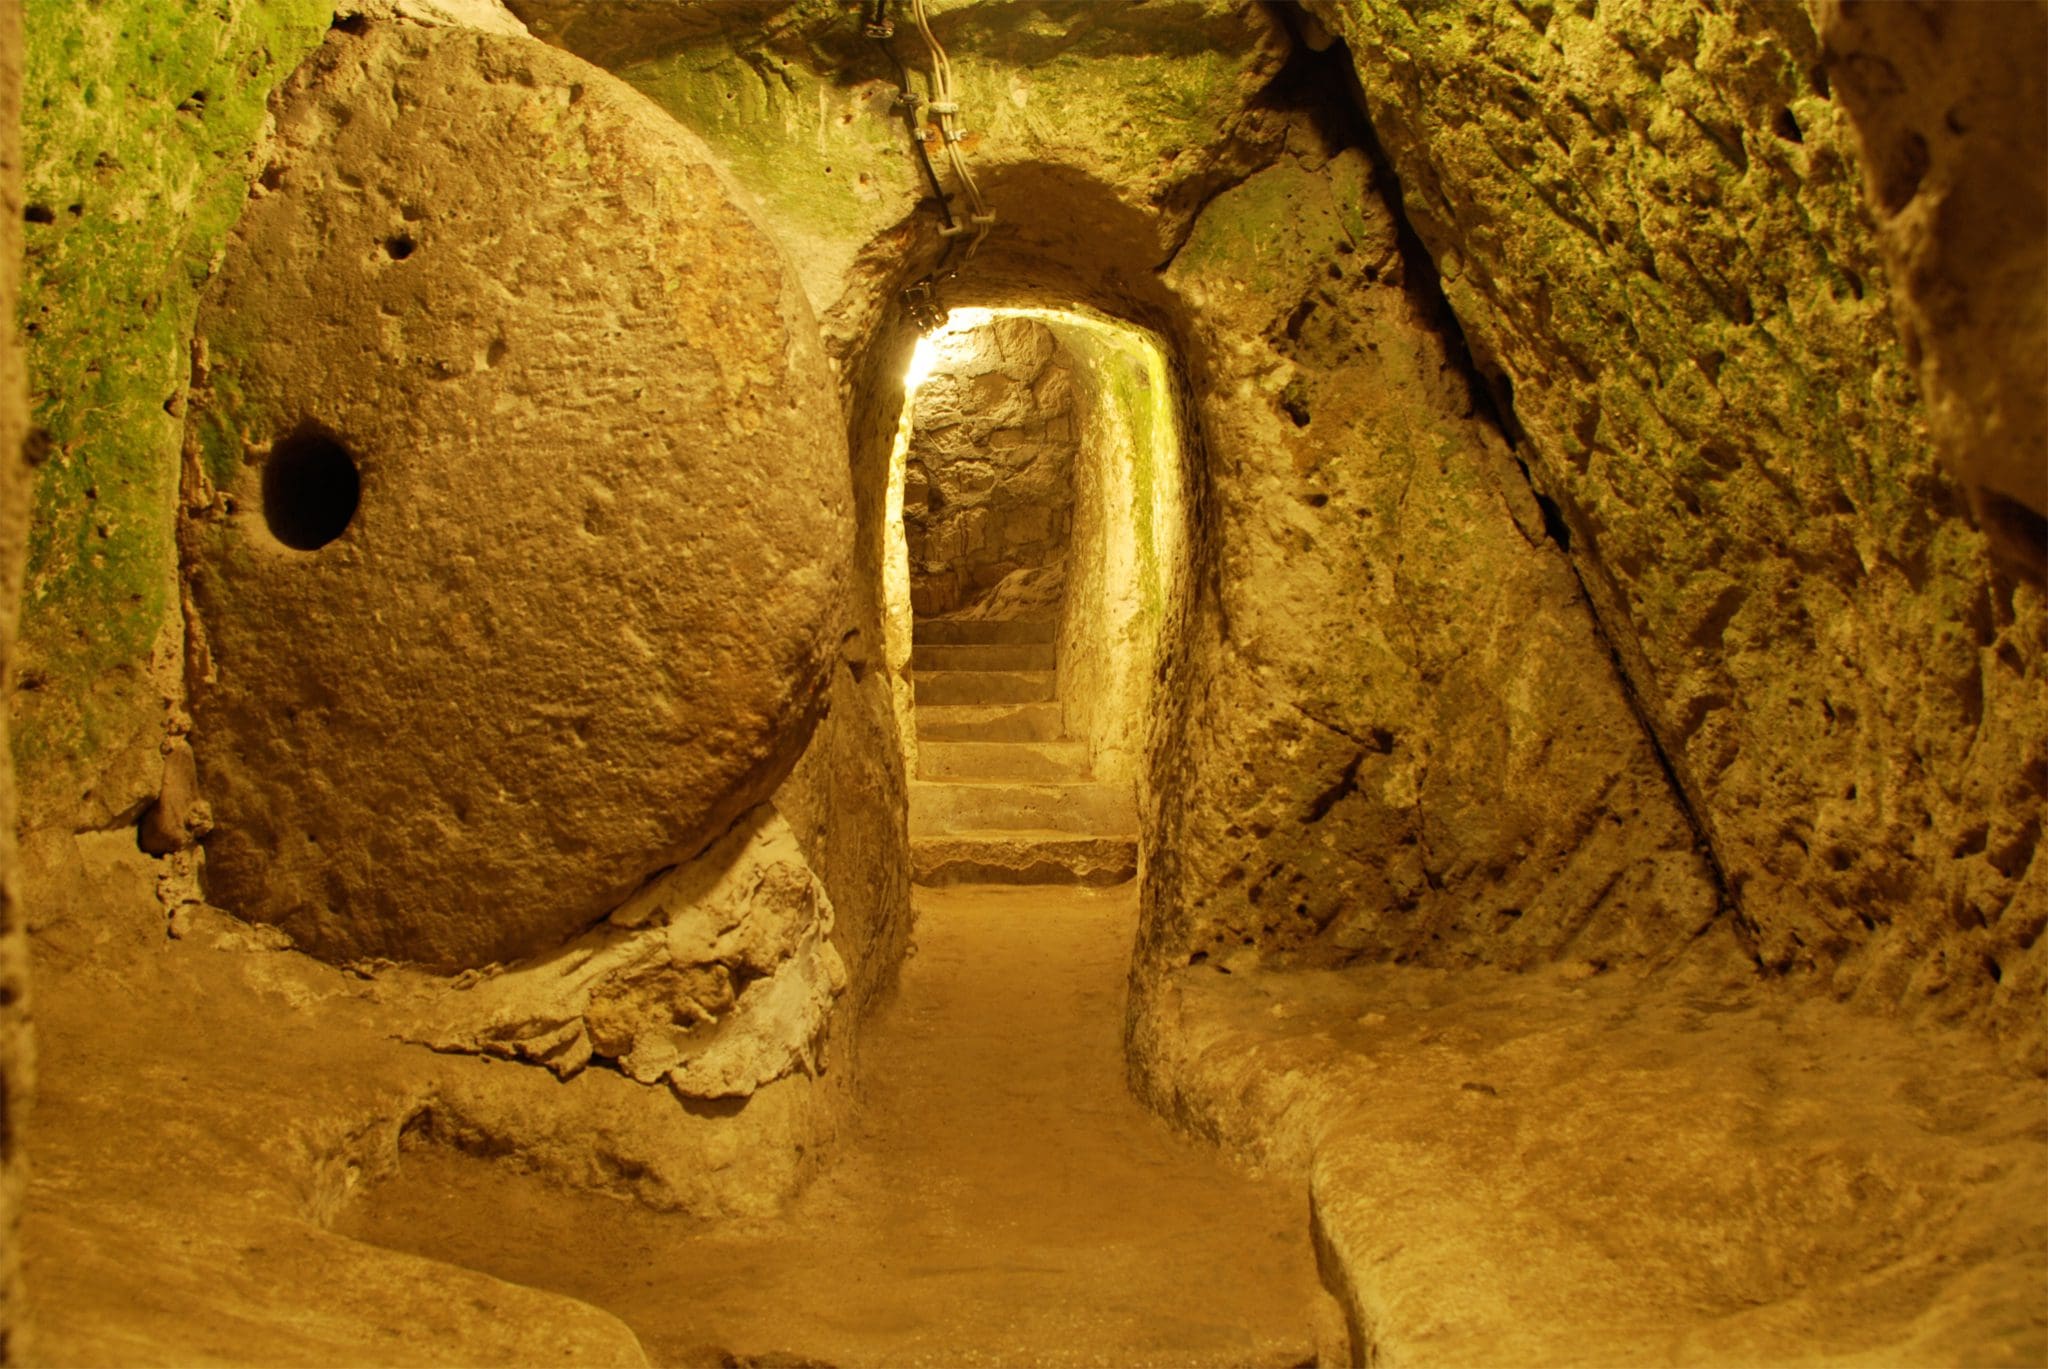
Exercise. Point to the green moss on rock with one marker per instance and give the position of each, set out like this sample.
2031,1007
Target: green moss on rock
809,149
138,121
800,107
1649,224
1128,382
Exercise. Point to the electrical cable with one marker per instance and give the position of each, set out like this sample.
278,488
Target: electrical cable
962,240
883,30
980,217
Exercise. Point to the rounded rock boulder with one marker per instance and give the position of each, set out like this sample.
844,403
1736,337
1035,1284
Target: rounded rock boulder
517,506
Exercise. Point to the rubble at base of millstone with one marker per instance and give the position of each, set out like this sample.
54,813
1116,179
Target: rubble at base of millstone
717,978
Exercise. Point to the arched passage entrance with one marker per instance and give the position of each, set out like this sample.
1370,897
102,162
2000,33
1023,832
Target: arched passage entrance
1036,488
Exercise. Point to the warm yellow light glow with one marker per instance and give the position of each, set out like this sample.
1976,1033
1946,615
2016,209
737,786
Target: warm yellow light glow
922,358
931,347
1128,525
896,621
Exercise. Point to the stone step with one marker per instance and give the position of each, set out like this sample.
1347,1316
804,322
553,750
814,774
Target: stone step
950,807
1023,858
989,723
1005,760
984,686
968,631
995,656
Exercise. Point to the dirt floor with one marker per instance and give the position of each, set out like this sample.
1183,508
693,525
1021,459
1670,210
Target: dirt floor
1568,1166
1002,1200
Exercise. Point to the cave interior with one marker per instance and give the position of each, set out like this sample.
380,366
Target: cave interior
955,682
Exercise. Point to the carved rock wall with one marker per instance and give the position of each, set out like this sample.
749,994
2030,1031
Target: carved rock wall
1402,737
1128,560
1949,104
16,1061
138,126
1648,220
989,479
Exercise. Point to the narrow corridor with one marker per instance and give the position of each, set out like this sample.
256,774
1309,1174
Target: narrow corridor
1003,795
747,683
1005,1201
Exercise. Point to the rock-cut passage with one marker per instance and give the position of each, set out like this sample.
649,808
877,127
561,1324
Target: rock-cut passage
1004,1201
1003,794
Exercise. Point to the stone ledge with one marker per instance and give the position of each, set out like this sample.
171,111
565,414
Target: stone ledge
1023,858
1500,1173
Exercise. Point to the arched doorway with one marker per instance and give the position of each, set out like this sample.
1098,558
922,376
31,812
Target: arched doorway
1037,486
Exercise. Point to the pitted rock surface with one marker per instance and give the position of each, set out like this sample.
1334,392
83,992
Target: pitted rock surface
580,617
716,978
1409,743
1950,108
989,486
1650,223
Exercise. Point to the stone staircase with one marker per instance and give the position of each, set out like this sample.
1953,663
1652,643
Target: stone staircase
1001,795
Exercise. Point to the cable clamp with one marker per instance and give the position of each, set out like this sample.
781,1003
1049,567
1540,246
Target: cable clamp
885,28
945,106
921,302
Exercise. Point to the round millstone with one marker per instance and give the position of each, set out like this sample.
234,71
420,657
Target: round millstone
519,501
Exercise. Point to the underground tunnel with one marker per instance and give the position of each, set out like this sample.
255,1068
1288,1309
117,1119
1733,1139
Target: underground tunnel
1029,682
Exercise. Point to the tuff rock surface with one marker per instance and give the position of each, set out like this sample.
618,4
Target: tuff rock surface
16,1058
1127,561
1403,738
1648,220
989,477
1567,1166
1119,121
1949,104
1576,645
1023,859
208,1226
716,979
582,613
131,185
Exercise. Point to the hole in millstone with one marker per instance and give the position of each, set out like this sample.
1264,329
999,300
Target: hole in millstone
399,246
310,489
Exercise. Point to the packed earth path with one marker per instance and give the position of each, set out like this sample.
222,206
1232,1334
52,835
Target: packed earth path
1001,1199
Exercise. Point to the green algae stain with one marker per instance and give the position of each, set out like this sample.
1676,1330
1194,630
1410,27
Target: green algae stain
1231,238
807,149
1127,374
137,124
